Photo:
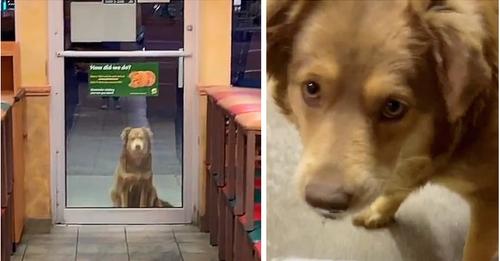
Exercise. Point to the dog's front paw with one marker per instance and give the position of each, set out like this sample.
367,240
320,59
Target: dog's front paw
370,219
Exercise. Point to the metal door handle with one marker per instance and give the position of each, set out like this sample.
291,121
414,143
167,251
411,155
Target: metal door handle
93,54
180,71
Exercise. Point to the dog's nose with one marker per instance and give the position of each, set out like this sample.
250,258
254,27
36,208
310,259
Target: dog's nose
327,195
137,147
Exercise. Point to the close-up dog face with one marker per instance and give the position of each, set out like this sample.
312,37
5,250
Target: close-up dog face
137,140
374,88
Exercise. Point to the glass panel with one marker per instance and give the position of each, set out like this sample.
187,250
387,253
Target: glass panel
101,166
8,20
158,27
245,54
94,147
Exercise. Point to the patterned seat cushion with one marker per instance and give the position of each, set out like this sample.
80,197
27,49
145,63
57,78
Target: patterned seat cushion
255,234
257,248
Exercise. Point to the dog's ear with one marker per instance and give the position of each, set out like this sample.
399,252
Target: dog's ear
459,34
148,131
125,133
283,18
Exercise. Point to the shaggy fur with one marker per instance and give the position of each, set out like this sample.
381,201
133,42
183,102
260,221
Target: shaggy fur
437,57
133,186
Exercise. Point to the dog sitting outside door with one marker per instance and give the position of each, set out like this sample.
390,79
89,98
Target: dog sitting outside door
133,180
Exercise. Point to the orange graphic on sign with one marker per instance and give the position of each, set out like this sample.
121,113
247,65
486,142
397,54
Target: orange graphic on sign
139,79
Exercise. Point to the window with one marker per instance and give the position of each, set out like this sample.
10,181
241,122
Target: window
8,25
245,41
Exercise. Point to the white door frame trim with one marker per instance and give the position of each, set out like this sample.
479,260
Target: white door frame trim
61,214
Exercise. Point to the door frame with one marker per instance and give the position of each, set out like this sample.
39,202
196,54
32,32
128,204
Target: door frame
61,214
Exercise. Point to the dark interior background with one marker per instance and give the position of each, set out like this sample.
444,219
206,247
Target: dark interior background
8,18
246,46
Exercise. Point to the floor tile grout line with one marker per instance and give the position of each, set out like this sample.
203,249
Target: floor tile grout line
126,242
77,239
24,252
178,247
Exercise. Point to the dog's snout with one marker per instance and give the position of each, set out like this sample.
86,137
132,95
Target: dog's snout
327,195
137,145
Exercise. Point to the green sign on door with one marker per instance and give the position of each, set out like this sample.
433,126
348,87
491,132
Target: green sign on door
124,79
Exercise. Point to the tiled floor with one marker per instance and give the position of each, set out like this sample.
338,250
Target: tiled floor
110,243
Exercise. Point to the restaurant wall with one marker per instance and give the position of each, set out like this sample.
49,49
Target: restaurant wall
214,69
215,42
32,35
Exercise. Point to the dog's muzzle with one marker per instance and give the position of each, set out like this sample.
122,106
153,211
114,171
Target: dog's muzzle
137,146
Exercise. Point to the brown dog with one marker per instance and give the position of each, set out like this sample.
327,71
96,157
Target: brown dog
133,186
387,96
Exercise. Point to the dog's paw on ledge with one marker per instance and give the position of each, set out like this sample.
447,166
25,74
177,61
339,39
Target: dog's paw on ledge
371,219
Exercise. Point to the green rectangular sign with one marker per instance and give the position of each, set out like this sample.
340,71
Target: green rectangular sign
124,79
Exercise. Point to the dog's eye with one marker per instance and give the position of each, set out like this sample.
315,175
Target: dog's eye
312,89
394,109
311,93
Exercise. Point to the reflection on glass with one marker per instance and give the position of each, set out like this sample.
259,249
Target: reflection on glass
120,144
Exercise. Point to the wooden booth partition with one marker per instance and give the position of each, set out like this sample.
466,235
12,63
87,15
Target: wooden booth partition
13,108
202,183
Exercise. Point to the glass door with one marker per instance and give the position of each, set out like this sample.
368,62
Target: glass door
119,111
